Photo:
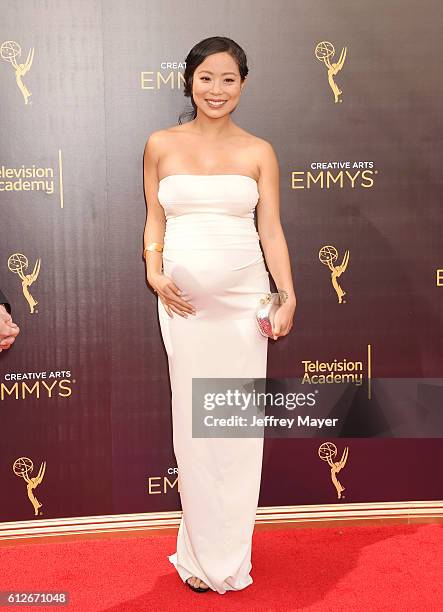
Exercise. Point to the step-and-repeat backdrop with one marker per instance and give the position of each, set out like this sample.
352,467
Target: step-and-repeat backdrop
349,95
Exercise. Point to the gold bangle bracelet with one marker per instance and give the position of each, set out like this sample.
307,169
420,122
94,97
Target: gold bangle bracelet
154,246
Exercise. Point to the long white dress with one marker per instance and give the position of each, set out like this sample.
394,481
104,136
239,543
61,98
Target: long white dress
212,253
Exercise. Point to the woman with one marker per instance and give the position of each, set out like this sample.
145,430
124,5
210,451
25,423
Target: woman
203,180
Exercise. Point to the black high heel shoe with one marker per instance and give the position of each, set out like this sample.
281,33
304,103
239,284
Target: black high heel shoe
196,589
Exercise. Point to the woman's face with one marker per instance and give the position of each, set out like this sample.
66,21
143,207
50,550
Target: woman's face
217,79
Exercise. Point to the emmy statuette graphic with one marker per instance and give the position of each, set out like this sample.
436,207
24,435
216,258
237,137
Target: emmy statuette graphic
17,263
328,255
327,451
323,52
22,467
10,51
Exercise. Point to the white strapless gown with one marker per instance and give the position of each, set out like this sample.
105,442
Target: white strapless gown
212,253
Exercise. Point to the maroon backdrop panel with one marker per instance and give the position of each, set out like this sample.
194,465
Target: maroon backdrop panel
349,96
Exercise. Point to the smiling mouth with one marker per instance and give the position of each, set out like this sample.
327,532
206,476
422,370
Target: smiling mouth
215,103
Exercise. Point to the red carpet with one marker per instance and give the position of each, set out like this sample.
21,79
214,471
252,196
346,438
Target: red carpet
373,568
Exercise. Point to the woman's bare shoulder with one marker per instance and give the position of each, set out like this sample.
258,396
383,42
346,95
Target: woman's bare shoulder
261,144
160,138
160,135
261,150
256,142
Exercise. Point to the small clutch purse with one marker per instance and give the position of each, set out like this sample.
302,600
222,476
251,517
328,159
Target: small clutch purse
265,313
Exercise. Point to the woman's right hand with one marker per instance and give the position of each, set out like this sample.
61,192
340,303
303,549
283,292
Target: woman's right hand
170,296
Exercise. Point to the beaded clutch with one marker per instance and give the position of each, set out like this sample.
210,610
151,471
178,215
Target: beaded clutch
265,312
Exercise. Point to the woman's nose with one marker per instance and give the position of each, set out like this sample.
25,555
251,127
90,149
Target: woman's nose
216,88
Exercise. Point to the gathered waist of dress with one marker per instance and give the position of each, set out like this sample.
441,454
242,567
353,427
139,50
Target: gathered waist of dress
205,231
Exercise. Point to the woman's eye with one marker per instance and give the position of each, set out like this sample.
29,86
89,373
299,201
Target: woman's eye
231,80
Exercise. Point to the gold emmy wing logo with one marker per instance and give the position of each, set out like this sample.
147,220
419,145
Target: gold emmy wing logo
10,51
328,255
17,263
323,52
23,467
327,451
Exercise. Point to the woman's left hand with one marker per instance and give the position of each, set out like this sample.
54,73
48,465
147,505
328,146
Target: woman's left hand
283,319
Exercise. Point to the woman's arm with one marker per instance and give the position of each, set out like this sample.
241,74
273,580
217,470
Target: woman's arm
155,216
4,302
272,237
155,228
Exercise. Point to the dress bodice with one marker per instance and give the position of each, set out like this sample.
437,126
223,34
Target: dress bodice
229,194
209,211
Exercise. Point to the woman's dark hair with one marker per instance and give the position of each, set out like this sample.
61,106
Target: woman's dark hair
198,53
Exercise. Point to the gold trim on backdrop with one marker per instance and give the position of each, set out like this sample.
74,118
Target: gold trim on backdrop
326,515
60,174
